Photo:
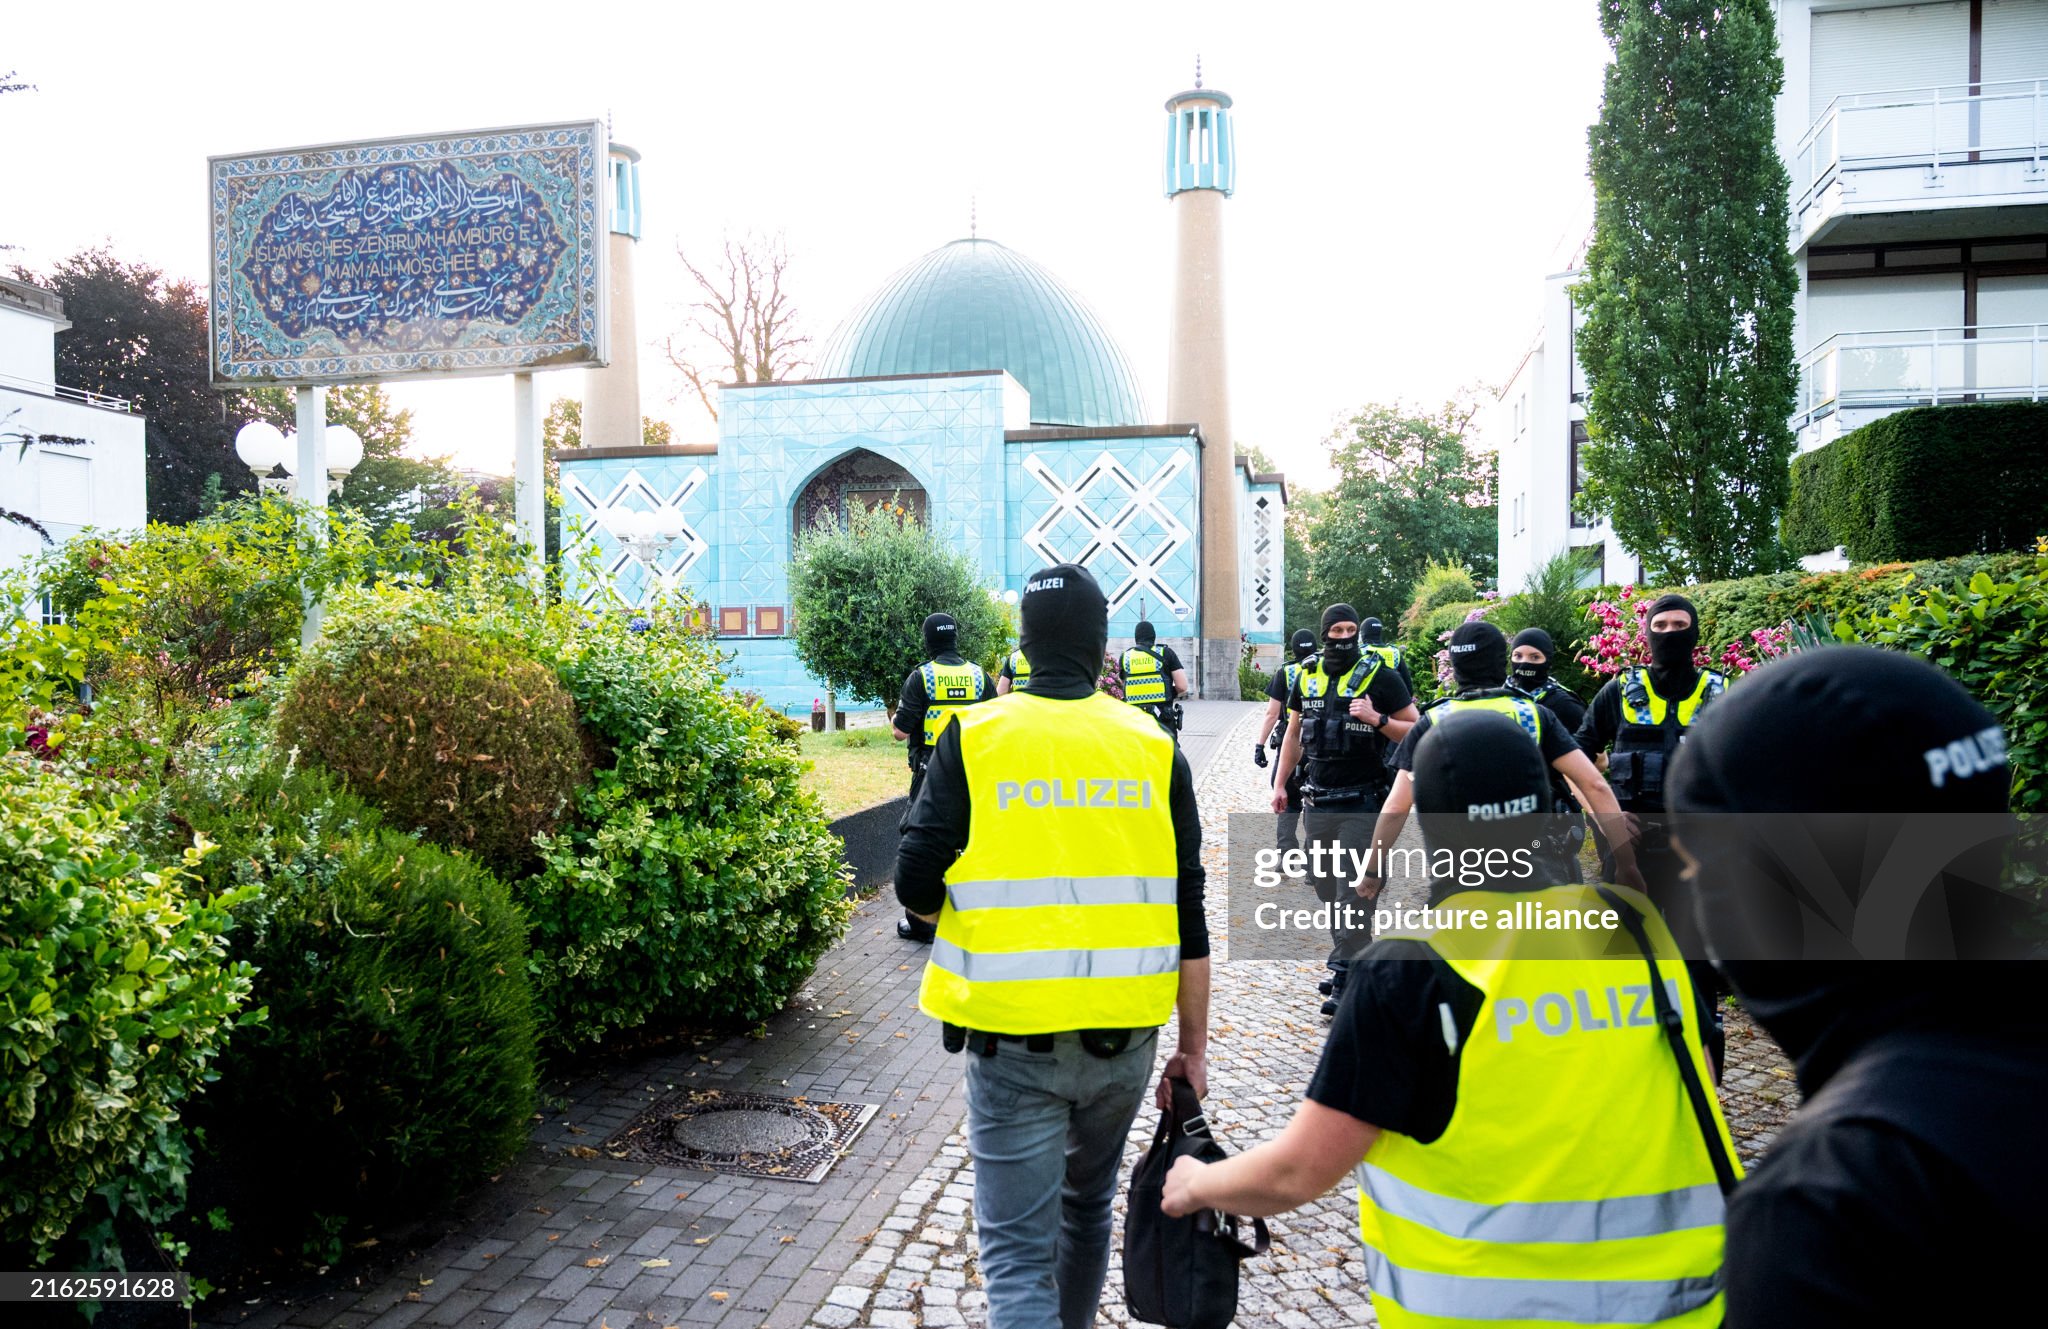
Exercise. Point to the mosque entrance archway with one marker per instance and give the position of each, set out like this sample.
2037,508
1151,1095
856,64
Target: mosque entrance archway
859,478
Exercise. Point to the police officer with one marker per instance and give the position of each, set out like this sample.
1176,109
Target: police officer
1532,1142
933,693
1371,634
1015,673
1802,802
1058,845
1529,658
1633,728
1278,688
1152,675
1479,669
1344,709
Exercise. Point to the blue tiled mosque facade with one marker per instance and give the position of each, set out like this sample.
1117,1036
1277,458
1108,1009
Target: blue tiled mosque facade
975,388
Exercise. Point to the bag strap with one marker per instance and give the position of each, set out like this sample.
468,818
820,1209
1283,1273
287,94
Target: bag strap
1206,1225
1186,1114
1674,1034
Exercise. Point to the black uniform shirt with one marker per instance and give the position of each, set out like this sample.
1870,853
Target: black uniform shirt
911,706
1388,694
1563,703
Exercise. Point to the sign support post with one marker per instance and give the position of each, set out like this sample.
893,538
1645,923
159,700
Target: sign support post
312,490
529,477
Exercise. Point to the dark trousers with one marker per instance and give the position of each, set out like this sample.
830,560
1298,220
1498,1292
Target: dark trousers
1344,826
918,929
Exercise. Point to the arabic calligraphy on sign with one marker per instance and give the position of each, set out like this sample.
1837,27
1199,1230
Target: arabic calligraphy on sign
457,254
400,254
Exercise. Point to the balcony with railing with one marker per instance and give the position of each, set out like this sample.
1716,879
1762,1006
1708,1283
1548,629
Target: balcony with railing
1855,377
1920,148
62,393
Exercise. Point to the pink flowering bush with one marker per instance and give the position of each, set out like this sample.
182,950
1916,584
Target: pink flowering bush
1622,639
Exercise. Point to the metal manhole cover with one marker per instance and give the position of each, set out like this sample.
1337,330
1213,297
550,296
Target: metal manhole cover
759,1135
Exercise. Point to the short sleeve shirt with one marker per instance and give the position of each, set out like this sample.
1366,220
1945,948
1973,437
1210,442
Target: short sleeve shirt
1388,694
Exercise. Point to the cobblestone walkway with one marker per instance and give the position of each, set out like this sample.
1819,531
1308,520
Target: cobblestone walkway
1265,1038
574,1238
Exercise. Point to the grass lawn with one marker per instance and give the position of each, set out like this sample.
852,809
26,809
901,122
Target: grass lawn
850,777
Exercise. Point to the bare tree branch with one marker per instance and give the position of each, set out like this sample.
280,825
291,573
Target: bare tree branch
743,321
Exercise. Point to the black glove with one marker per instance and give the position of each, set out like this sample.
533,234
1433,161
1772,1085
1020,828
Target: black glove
1258,754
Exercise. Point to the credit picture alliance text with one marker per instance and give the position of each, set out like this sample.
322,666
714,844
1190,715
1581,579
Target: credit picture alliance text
1274,867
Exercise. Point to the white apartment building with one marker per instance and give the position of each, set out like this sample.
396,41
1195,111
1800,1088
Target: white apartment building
65,488
1915,135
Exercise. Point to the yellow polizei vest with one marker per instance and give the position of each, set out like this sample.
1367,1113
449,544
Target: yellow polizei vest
948,689
1390,656
1144,677
1020,669
1572,1186
1061,913
1519,709
1640,703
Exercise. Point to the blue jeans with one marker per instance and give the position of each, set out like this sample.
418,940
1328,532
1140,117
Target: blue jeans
1047,1130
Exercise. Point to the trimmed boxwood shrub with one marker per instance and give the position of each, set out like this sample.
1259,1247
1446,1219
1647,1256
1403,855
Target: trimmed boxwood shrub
116,995
696,878
397,1065
461,736
1932,482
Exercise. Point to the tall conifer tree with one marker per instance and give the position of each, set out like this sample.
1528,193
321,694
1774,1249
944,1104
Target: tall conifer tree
1689,289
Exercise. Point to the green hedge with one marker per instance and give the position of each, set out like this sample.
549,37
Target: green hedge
1933,482
116,996
695,878
398,1063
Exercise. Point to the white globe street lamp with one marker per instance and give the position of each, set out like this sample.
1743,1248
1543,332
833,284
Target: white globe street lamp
263,448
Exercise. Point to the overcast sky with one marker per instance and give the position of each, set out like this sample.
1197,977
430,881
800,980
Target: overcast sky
1408,172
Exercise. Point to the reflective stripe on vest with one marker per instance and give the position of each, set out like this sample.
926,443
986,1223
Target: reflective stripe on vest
1062,912
1423,1298
1524,1210
1519,709
1389,655
1144,677
947,690
1640,703
1035,893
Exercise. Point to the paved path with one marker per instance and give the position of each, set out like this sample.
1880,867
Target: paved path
570,1238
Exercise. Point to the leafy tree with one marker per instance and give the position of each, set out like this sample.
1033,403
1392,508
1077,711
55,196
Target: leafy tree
387,486
1689,288
138,334
1409,490
859,594
743,327
563,428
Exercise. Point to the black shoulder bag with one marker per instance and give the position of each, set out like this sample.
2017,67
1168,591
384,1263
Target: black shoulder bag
1182,1272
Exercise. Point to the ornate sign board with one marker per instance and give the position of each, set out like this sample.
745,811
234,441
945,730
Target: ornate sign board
476,253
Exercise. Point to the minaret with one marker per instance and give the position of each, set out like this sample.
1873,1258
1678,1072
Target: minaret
1201,171
611,396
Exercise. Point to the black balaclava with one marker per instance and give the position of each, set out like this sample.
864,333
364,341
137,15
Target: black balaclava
1065,626
1532,677
1339,656
1481,784
1370,631
1304,644
1146,634
1827,733
1671,652
941,635
1479,656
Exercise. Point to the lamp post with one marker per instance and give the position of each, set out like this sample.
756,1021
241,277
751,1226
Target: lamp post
263,448
647,536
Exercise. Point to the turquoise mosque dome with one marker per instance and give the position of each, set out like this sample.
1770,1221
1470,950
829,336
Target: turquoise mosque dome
976,304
